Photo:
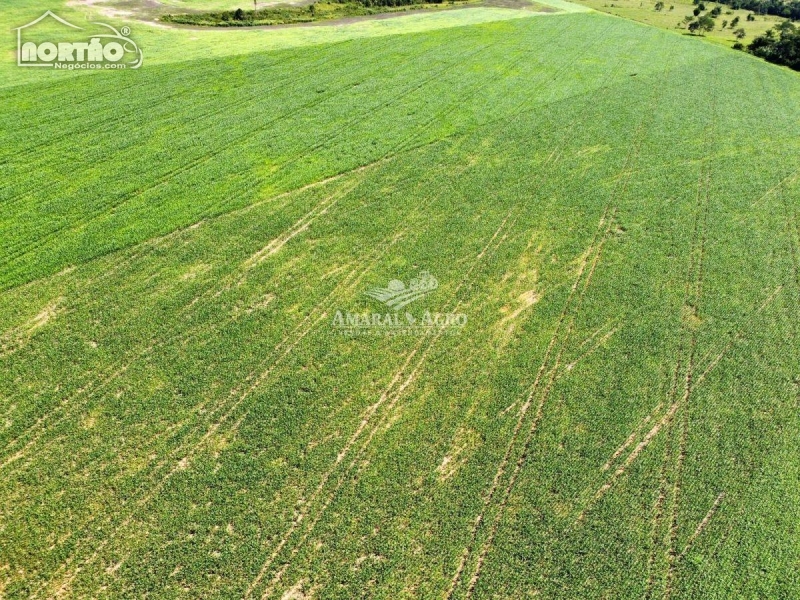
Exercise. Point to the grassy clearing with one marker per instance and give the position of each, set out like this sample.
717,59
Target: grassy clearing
671,17
619,418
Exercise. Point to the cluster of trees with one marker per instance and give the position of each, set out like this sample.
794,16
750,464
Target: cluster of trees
701,22
781,8
780,45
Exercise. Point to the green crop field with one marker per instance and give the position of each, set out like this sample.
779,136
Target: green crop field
609,208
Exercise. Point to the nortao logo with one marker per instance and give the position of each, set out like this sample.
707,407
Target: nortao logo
396,294
113,50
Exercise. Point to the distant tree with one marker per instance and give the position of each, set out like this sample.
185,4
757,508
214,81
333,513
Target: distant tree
672,7
706,23
735,22
239,14
751,17
659,5
724,24
696,11
740,33
716,11
687,19
738,46
703,23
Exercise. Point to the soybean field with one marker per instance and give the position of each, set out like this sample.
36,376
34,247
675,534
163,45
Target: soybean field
607,214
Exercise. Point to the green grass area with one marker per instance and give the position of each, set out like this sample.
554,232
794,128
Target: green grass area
614,208
673,13
287,15
162,44
204,5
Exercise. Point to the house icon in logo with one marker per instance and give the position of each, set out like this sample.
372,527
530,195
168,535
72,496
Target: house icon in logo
28,53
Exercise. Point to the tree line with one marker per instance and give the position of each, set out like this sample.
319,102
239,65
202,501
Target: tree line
779,45
789,9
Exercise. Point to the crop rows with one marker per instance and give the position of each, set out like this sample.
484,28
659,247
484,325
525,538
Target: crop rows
617,419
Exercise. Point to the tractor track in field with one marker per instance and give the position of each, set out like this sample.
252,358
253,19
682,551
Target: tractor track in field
168,234
197,162
165,177
201,160
781,185
544,370
672,404
672,407
39,427
734,337
592,349
222,413
253,380
657,533
120,117
398,149
392,393
665,517
701,526
701,232
663,510
632,437
539,412
284,194
297,228
232,280
218,108
693,300
18,336
602,234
